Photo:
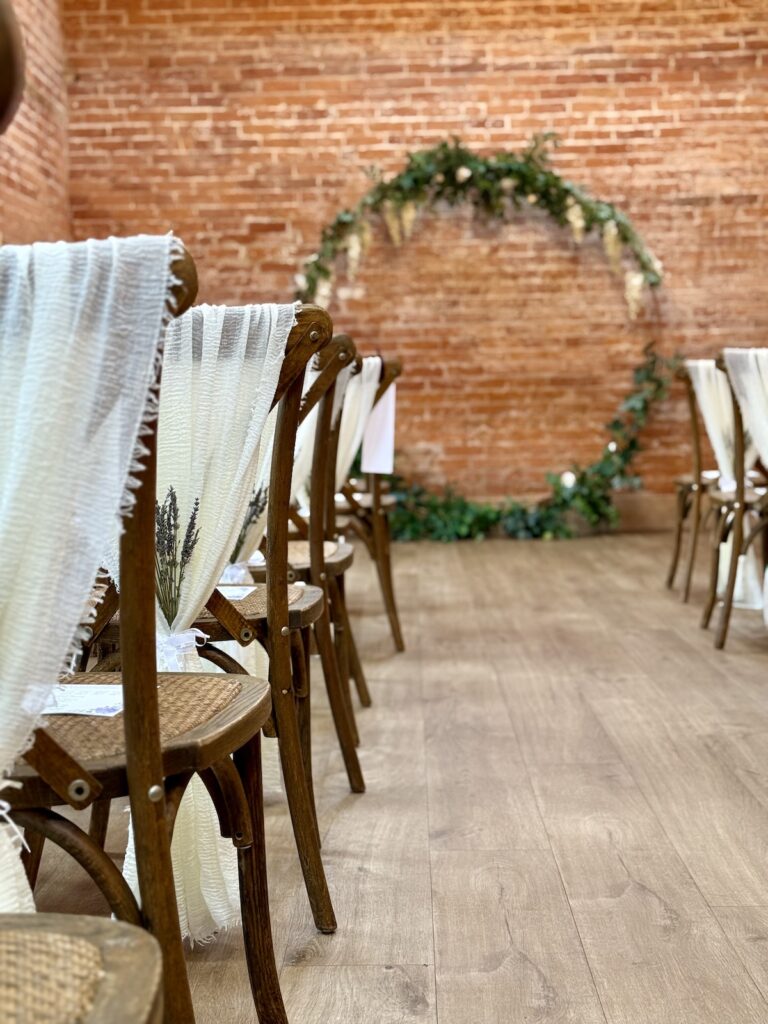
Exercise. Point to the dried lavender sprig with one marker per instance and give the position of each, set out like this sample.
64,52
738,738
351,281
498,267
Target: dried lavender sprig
170,564
256,506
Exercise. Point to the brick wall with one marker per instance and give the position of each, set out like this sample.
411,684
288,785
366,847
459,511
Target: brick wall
246,126
34,178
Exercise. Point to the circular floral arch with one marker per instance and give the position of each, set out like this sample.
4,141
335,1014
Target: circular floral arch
497,186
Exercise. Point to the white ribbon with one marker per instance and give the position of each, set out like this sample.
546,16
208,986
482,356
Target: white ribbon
172,649
236,572
5,814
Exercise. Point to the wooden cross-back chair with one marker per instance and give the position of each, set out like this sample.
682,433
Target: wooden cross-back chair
270,615
55,772
366,512
317,556
67,967
206,718
730,510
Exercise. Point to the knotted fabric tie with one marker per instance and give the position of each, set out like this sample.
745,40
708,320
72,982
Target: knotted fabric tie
172,649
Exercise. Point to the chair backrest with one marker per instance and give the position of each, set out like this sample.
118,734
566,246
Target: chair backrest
748,373
339,357
716,404
80,327
358,402
316,330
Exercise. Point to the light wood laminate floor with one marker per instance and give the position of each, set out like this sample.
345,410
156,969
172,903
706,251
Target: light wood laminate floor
567,808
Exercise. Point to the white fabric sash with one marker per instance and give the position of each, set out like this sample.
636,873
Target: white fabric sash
379,436
220,373
80,326
358,402
748,372
713,396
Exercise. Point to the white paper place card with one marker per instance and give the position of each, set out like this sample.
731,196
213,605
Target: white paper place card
102,700
257,559
235,593
379,436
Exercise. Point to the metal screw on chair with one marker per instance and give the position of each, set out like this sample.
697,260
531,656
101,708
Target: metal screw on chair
156,793
314,336
246,635
78,789
291,576
284,631
322,576
342,356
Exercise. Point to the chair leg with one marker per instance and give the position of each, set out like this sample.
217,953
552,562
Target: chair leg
718,534
254,894
300,805
355,664
97,829
383,561
341,648
682,497
695,512
301,689
737,538
339,708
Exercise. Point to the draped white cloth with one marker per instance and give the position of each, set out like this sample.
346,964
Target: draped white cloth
80,326
748,372
713,396
220,373
358,402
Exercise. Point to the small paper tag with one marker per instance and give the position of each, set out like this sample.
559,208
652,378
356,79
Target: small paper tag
102,700
235,593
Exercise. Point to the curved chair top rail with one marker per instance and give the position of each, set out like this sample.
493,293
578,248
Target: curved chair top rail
390,371
11,65
311,333
340,352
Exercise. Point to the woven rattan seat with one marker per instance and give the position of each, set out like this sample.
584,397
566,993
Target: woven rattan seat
61,969
338,557
298,551
254,606
752,495
364,500
186,701
47,976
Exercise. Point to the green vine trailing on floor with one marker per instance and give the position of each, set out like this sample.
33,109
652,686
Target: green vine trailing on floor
496,186
584,491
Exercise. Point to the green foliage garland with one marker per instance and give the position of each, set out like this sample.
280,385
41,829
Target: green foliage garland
497,186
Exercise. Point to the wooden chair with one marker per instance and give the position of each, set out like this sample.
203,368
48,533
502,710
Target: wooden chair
69,969
273,614
729,509
367,514
64,969
173,725
319,557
